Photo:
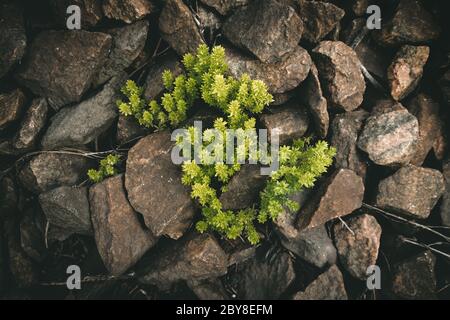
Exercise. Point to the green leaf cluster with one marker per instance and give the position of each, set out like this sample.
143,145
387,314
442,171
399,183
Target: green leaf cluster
107,168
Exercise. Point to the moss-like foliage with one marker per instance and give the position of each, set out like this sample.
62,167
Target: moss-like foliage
107,168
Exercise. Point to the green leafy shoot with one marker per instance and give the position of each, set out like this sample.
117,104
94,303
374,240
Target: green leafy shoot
107,168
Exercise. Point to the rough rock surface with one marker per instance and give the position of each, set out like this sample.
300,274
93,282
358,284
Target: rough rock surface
390,134
328,286
280,77
444,83
178,28
339,71
91,11
415,278
120,237
128,128
267,28
225,6
154,187
411,190
32,125
11,107
445,205
61,65
68,209
82,123
209,289
358,248
406,70
127,10
198,257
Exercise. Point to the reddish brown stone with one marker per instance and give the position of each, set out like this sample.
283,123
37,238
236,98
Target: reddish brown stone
32,124
11,107
127,10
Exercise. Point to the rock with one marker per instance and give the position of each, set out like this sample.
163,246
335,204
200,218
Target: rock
238,251
154,187
178,28
47,171
427,113
127,10
261,279
411,24
359,7
312,96
208,19
358,250
279,77
328,286
339,71
444,84
440,143
267,28
82,123
290,122
13,39
445,205
91,11
415,278
390,134
154,86
120,237
411,190
128,129
32,125
196,258
225,6
11,107
406,70
32,234
68,209
9,198
344,135
340,195
61,65
209,289
319,19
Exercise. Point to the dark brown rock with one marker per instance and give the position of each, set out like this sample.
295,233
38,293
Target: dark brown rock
415,278
359,7
358,248
406,70
225,6
445,205
390,134
120,237
340,195
444,83
209,289
154,187
32,234
267,28
339,71
411,190
127,10
328,286
32,125
91,11
178,28
128,129
208,19
9,198
11,107
61,65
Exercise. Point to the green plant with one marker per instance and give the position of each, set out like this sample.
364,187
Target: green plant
106,169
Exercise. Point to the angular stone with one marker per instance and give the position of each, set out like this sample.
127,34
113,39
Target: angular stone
13,39
225,6
120,237
208,19
415,278
127,10
411,24
445,205
209,289
340,72
411,190
154,187
178,28
91,11
359,7
344,135
68,209
390,134
267,28
328,286
290,122
51,170
237,250
32,125
440,146
340,195
82,123
196,258
128,129
358,248
279,77
406,70
11,107
61,65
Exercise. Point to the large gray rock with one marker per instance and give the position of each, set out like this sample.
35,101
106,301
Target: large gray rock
11,107
445,205
61,65
32,125
127,10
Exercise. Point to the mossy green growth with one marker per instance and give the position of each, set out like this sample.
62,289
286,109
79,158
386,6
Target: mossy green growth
107,168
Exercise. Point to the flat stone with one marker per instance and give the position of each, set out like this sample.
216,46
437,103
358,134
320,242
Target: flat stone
127,10
120,237
209,289
445,205
267,28
178,28
358,248
32,125
406,70
154,187
340,73
390,134
61,65
411,190
11,107
225,6
91,11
